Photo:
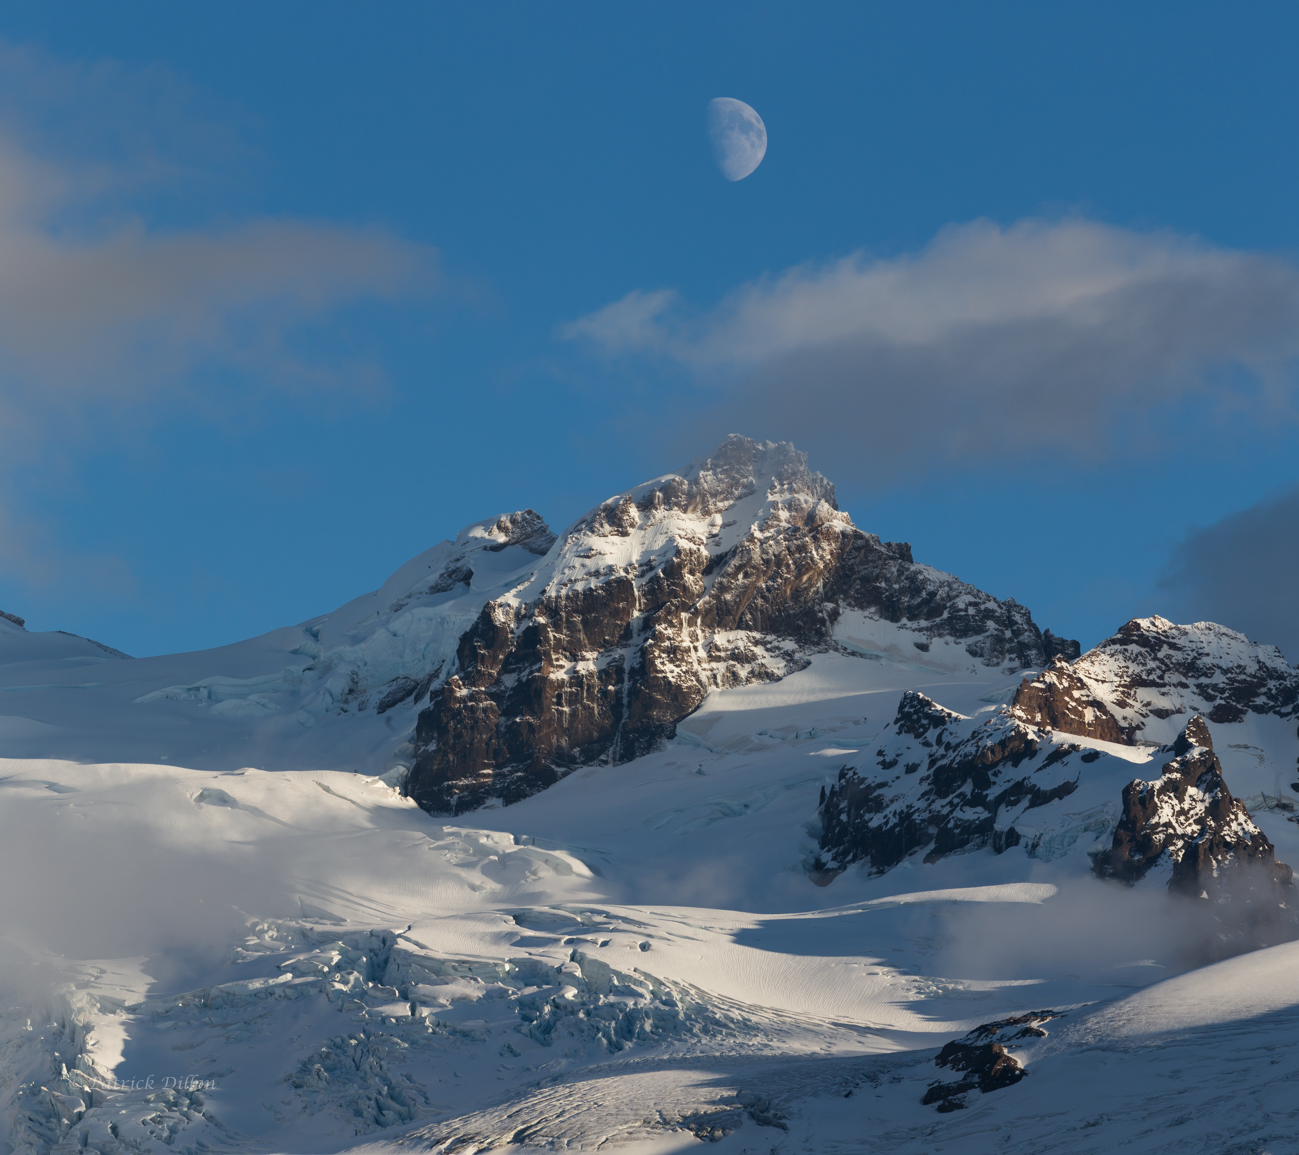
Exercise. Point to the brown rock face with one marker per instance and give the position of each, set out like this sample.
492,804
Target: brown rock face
1153,670
986,1067
517,714
727,574
1188,818
1059,699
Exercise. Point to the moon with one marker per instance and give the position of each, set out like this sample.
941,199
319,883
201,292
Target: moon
738,135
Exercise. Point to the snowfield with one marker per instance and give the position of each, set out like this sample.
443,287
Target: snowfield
302,960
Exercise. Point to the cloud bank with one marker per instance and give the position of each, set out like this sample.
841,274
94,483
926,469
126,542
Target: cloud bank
1241,572
990,343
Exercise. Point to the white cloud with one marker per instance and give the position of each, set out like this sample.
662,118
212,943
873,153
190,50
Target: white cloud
635,323
989,341
101,303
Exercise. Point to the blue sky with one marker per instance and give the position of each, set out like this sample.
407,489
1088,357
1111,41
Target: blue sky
297,290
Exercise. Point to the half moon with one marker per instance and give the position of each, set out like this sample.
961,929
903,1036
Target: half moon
738,136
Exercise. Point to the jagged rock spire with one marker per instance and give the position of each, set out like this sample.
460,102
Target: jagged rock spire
1188,821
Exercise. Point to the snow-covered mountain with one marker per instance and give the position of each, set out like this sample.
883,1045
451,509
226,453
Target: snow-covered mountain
733,571
712,817
522,654
1133,686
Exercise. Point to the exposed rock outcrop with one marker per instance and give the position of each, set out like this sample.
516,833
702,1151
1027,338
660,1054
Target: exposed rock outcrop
984,1065
527,529
15,619
1053,647
1187,822
1154,670
1153,673
941,784
728,573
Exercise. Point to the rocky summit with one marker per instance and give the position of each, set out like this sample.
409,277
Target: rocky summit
1152,671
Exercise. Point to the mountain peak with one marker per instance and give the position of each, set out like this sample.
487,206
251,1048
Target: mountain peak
1195,733
527,657
735,570
1207,639
738,469
1203,668
740,465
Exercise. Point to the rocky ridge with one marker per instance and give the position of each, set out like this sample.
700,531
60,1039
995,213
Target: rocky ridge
1135,685
730,572
943,784
386,648
964,784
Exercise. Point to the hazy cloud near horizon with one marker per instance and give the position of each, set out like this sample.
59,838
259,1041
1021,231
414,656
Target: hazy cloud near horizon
127,294
117,308
1240,572
988,343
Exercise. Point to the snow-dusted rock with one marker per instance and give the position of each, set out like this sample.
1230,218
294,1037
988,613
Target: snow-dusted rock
1141,682
982,1061
1060,699
942,784
1187,824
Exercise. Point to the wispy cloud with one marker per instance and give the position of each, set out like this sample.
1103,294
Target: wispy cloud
128,290
98,300
103,309
990,341
32,556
